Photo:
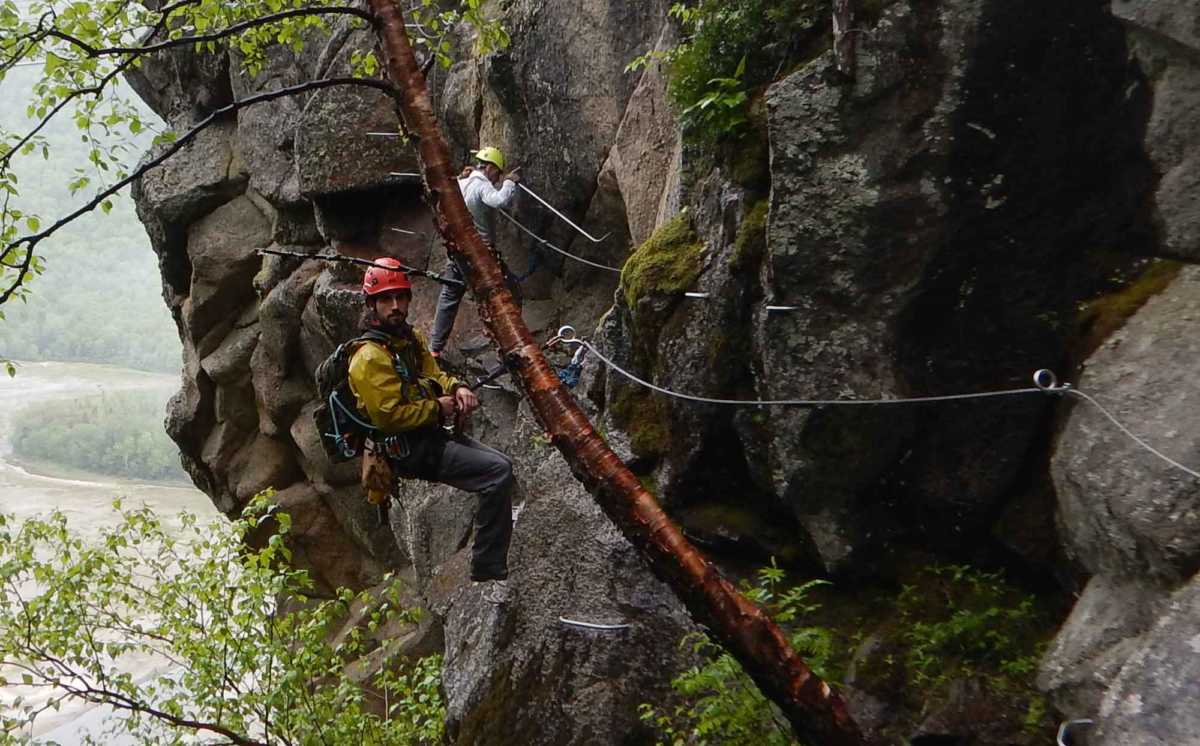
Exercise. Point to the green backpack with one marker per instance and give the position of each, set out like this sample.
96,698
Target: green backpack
342,427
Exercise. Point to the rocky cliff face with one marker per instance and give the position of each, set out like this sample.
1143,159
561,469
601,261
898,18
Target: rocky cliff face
932,227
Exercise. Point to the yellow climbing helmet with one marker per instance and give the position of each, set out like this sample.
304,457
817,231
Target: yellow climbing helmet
491,155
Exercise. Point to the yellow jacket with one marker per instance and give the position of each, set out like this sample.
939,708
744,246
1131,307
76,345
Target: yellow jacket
396,390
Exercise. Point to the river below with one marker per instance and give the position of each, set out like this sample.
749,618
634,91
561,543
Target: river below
86,500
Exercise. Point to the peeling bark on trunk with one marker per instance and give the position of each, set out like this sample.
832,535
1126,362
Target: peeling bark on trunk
843,37
814,709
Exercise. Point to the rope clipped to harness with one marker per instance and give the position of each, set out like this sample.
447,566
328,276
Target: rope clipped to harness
342,439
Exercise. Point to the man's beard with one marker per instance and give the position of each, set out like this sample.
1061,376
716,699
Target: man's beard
375,320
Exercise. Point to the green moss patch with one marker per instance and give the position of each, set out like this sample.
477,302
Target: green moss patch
1100,317
747,523
645,417
668,263
751,241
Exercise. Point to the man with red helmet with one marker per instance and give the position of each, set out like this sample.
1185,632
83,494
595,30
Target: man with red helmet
399,387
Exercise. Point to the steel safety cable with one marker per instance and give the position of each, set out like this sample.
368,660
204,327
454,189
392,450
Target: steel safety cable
1129,433
551,246
803,402
1044,381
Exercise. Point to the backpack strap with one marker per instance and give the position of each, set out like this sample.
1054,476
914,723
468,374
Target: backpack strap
404,365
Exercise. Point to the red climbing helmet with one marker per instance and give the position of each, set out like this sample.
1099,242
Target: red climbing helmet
378,280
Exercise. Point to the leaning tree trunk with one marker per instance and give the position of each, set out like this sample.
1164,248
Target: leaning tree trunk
813,708
843,37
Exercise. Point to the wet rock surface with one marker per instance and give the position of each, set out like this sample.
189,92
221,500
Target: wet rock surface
1151,700
931,228
575,684
1125,513
1165,39
1106,625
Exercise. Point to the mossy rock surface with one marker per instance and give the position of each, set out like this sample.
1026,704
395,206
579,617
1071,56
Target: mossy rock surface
751,241
1100,317
646,418
668,263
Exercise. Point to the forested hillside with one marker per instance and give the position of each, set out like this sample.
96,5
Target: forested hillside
99,299
118,434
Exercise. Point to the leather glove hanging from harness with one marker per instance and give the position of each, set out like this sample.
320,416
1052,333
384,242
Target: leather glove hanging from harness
377,476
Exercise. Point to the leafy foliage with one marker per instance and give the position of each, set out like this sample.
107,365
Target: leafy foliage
955,623
118,433
729,49
952,622
241,662
82,47
983,624
82,319
432,25
721,705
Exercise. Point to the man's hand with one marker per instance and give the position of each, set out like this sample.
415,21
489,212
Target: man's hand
446,408
514,176
467,401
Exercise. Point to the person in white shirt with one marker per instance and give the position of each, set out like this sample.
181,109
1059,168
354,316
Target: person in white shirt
485,188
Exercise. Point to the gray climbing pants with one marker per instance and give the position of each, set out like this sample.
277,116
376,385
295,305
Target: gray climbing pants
450,298
471,466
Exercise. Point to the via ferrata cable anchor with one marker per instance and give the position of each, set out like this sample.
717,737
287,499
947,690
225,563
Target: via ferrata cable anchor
1066,727
1045,380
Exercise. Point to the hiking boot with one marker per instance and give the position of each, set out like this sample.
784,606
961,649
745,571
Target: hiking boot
496,592
483,576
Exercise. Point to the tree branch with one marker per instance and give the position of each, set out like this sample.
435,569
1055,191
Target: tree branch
30,242
233,30
815,710
124,702
843,38
138,51
96,89
33,38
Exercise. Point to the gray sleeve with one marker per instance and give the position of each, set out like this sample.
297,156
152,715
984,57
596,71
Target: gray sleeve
498,198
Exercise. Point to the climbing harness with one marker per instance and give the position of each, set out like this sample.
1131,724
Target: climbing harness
564,218
543,242
436,277
1044,382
